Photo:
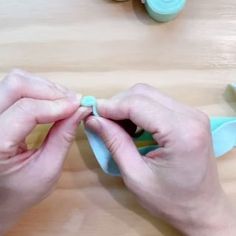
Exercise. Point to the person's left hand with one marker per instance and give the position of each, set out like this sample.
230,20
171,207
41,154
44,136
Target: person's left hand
28,176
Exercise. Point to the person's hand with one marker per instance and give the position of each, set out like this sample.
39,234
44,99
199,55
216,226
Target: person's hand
27,176
179,180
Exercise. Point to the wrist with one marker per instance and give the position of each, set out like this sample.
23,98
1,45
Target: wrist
215,217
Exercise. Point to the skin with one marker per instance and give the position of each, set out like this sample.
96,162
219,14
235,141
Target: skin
28,176
178,182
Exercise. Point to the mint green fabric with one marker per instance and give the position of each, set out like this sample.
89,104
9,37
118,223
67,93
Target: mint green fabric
223,135
90,101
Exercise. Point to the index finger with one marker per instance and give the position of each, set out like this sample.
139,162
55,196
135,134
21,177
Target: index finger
19,84
20,119
141,110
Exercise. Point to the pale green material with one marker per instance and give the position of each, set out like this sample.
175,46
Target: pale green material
223,134
164,10
223,131
90,101
230,93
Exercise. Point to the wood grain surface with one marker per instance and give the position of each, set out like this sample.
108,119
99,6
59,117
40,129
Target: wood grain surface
101,47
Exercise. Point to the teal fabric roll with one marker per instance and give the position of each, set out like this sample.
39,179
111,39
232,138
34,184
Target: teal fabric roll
164,10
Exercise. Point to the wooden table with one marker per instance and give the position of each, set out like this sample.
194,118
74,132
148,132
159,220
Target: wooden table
100,47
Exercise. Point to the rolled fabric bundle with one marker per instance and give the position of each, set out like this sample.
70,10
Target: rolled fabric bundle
164,10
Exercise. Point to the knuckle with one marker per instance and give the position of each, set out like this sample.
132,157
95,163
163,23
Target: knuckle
68,137
25,105
134,105
13,82
139,87
199,134
135,99
114,143
128,106
17,71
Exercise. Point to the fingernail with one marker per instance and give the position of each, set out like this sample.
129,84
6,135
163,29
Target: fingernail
94,124
83,113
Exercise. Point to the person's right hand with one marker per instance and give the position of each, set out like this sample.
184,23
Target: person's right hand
179,180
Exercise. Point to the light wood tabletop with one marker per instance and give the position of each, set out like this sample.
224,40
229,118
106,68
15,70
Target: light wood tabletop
100,47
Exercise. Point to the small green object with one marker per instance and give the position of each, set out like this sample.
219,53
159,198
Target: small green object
90,101
164,10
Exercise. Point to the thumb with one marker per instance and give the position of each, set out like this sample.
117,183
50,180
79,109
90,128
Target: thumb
60,138
119,143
